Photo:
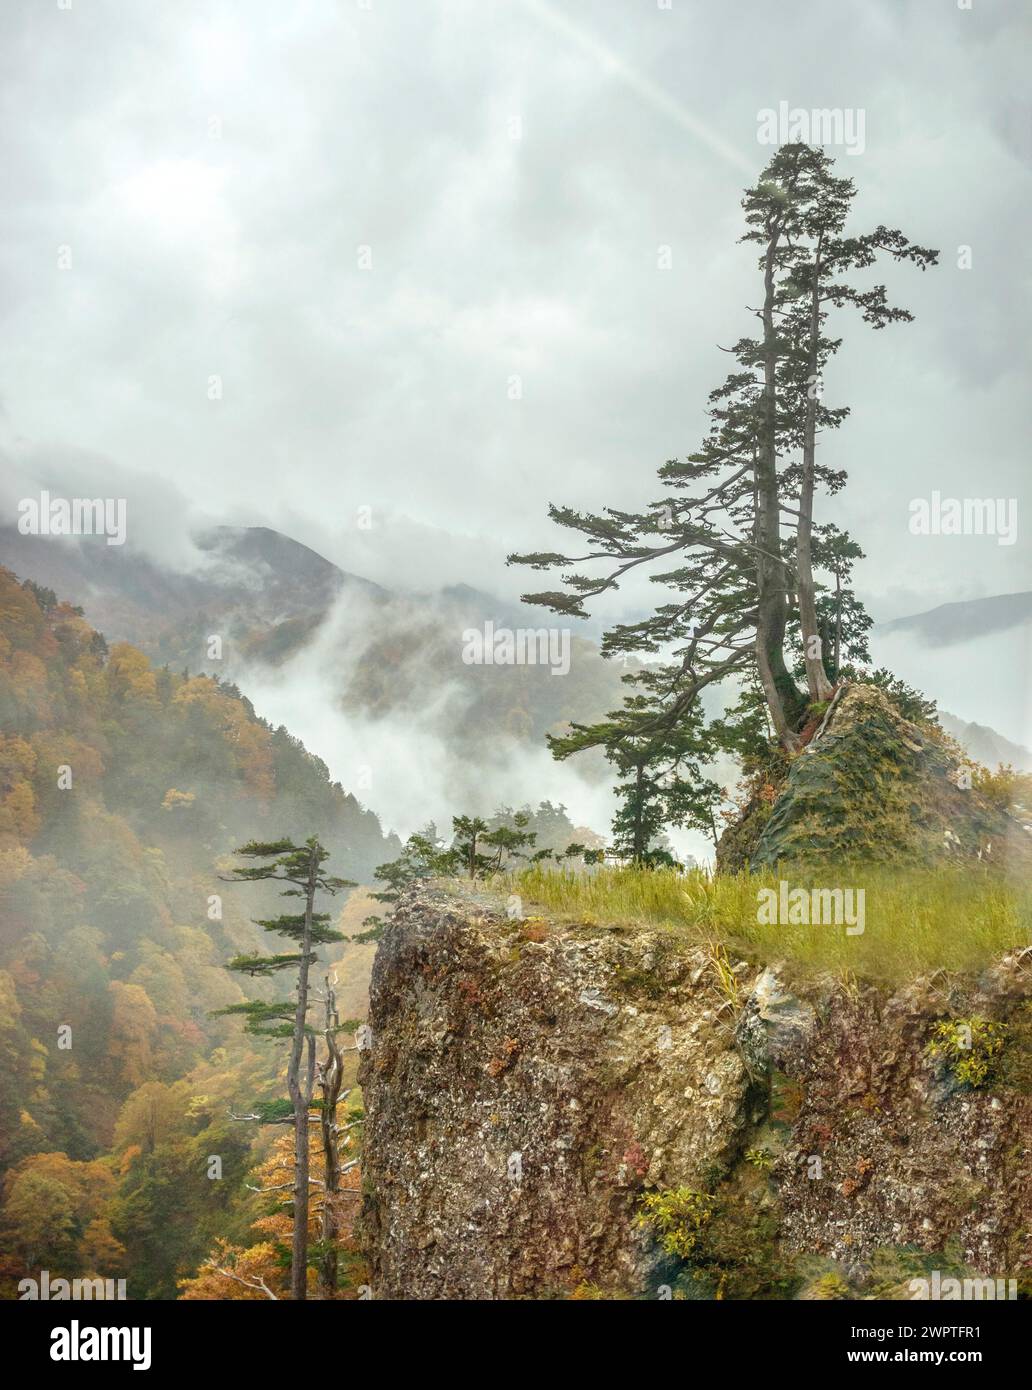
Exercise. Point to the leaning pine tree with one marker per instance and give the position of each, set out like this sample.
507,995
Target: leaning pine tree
299,866
733,539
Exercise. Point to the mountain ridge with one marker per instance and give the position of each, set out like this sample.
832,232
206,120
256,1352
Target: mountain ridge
950,623
270,597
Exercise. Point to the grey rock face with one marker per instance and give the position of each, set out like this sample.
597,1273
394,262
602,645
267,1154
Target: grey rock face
528,1081
519,1095
774,1024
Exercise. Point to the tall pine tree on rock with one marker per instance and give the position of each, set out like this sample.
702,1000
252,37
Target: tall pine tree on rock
733,539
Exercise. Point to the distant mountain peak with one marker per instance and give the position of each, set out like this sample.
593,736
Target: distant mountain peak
959,622
279,556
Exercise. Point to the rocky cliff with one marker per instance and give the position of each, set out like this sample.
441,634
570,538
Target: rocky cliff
531,1082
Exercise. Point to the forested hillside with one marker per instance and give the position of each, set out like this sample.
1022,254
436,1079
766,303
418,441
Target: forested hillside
123,789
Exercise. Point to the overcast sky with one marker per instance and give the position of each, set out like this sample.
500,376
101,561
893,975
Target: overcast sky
512,167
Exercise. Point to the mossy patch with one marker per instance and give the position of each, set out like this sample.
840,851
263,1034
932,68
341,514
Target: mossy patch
970,1047
876,788
1014,1067
724,1245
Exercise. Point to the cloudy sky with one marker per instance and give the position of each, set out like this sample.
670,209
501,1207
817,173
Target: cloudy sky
366,218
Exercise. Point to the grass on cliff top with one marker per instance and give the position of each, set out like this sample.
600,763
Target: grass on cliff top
914,922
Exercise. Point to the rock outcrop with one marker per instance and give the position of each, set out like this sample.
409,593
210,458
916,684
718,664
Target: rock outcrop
523,1084
529,1081
873,787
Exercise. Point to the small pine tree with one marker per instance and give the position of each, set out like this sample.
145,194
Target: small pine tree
299,866
659,765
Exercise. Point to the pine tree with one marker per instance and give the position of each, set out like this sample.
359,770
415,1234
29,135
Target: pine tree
820,257
742,590
659,766
300,866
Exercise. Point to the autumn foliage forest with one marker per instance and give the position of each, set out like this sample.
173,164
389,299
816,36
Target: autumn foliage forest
123,790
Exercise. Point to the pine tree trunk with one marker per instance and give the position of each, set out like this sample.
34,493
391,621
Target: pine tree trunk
639,834
300,1097
816,676
330,1085
773,694
779,688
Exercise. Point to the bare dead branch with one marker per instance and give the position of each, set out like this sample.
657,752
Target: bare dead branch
257,1283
